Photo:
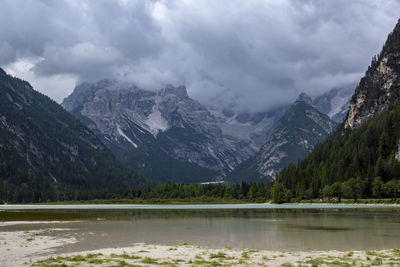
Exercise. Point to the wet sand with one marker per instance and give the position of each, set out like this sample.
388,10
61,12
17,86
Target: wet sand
41,248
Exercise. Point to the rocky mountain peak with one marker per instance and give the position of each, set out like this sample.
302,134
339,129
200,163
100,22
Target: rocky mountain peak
2,72
178,91
141,126
380,86
296,134
304,98
392,43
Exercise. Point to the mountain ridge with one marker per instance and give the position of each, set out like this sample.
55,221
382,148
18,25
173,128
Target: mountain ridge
46,152
364,152
297,132
140,125
380,85
166,123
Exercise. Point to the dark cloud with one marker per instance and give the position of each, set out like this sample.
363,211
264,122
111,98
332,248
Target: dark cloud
253,54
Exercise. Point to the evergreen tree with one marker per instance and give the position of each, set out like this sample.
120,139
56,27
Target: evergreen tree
336,190
377,187
352,159
391,188
327,192
278,193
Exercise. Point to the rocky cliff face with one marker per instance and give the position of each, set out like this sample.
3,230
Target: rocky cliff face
335,103
297,132
44,150
380,86
168,136
136,122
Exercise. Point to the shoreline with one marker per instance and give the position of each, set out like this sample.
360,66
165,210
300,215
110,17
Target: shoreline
191,255
212,201
41,248
33,207
20,247
37,248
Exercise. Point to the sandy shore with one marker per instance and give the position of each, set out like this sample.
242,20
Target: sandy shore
20,247
189,255
38,248
32,222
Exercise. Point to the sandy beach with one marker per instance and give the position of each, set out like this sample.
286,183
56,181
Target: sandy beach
19,248
39,248
190,255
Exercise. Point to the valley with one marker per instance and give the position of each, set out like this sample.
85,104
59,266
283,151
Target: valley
199,133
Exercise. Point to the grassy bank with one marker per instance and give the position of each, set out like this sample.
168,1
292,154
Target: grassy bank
202,200
212,200
351,201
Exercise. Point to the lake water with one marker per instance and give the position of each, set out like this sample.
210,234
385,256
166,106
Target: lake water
258,226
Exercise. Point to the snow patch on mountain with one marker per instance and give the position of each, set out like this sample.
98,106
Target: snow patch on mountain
121,133
155,123
335,103
254,129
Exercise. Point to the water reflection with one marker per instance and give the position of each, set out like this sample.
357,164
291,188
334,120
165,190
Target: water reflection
272,229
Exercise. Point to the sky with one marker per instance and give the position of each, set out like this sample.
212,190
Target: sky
249,55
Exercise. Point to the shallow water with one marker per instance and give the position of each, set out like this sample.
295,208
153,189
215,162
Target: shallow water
194,206
283,227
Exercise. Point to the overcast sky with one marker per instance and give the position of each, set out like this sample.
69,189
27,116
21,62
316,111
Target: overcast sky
254,54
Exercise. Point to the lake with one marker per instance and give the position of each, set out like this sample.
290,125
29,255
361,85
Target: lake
259,226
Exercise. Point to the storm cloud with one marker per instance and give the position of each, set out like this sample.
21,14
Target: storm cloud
251,54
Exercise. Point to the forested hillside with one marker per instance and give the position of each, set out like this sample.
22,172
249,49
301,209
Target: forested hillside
363,159
46,154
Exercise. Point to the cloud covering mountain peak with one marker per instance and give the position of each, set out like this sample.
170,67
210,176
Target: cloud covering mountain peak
253,54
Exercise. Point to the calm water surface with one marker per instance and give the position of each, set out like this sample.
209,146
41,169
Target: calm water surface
271,227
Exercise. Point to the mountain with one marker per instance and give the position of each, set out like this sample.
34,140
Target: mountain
168,136
164,134
247,131
380,85
47,154
364,151
335,103
297,132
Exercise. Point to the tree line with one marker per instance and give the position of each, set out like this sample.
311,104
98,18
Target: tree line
246,192
354,188
362,163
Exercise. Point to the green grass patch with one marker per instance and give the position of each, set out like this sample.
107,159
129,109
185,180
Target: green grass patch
377,261
245,255
219,255
265,258
128,257
122,263
196,200
206,263
148,260
96,261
